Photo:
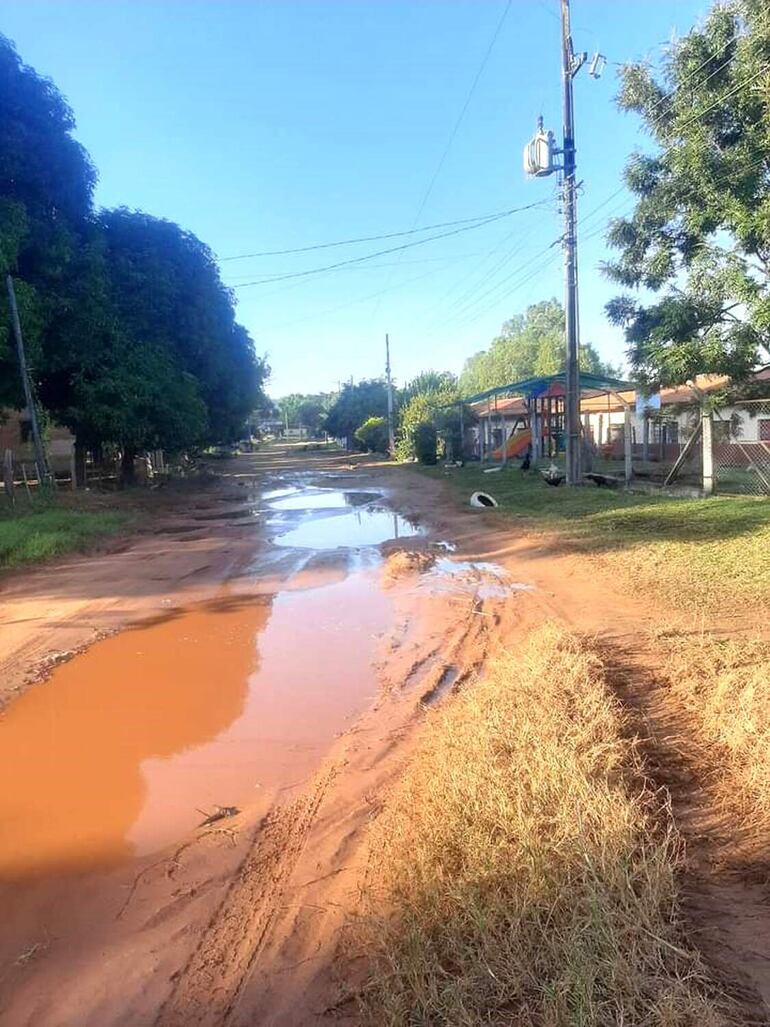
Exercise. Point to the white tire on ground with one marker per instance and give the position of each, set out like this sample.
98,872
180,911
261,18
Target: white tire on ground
483,499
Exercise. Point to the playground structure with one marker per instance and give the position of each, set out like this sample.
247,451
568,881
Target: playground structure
536,407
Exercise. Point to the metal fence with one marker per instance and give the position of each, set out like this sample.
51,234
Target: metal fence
741,448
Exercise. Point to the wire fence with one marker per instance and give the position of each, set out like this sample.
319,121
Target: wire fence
741,448
663,450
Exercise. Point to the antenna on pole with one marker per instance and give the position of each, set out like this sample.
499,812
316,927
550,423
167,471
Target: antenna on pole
391,431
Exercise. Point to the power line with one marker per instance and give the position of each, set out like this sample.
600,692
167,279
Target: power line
392,249
483,276
456,127
467,314
463,111
364,238
350,303
698,114
232,283
691,76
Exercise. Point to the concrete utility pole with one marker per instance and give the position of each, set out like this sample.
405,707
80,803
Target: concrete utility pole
539,162
43,474
391,431
571,64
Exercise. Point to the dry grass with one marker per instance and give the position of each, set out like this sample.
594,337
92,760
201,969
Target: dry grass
725,687
528,876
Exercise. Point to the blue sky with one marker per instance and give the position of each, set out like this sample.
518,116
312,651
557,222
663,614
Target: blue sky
273,125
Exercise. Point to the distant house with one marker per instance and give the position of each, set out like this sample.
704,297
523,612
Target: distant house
16,435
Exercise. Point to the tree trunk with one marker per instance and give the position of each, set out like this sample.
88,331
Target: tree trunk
127,470
80,464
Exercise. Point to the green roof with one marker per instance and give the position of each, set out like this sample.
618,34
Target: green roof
530,387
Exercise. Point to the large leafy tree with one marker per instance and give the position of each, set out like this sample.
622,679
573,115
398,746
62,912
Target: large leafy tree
46,187
148,353
529,344
699,236
130,335
427,381
354,405
166,290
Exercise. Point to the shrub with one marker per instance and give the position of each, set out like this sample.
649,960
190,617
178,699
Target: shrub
425,443
373,435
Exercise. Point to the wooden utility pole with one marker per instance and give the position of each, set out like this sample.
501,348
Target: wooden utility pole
43,473
391,429
571,64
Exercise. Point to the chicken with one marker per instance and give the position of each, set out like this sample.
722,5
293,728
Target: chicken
553,476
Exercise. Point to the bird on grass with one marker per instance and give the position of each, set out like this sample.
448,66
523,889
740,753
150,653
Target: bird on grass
526,462
553,476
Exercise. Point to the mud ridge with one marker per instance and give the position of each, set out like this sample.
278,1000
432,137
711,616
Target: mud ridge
723,887
206,990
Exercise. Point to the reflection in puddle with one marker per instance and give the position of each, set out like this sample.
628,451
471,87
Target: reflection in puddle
318,499
113,754
71,747
483,579
277,493
363,527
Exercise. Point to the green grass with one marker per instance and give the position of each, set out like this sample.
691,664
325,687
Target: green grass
40,532
702,552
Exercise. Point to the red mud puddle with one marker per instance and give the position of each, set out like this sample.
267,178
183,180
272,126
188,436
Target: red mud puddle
114,754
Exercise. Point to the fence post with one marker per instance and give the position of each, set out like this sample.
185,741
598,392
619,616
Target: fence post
646,437
708,451
627,461
8,475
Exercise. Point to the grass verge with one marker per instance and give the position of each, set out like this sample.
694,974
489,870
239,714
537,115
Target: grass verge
679,548
724,686
527,874
39,532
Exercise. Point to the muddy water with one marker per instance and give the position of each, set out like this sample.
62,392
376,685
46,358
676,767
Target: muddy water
116,753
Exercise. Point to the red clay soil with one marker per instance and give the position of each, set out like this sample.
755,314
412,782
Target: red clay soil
245,922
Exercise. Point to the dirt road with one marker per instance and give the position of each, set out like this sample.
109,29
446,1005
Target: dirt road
286,630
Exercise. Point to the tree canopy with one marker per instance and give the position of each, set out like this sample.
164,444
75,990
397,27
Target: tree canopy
529,344
46,188
306,410
130,334
354,405
700,232
430,401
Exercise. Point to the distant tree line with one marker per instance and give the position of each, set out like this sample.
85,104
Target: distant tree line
529,345
428,408
130,333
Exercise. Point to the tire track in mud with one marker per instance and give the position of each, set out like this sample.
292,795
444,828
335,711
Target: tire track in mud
206,989
220,982
724,874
